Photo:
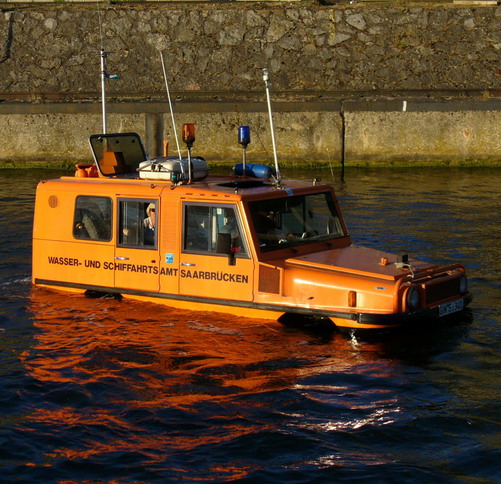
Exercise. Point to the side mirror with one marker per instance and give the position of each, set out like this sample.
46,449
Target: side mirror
223,246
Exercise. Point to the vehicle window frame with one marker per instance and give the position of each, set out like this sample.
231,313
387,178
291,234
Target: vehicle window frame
137,224
242,254
79,224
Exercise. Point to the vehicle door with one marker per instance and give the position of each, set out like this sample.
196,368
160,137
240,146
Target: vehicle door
214,261
136,264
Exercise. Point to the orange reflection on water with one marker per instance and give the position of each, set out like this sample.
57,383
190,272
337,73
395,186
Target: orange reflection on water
164,355
132,369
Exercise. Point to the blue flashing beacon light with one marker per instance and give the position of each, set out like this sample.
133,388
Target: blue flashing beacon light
244,140
244,135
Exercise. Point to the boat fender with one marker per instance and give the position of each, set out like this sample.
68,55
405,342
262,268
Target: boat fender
254,170
86,170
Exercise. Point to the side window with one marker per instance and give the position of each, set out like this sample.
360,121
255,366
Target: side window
92,220
206,226
197,228
137,223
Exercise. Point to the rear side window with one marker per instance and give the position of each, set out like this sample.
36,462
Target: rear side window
92,220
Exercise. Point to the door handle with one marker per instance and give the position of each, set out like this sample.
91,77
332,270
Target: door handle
121,258
187,264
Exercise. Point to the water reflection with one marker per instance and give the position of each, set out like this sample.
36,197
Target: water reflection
203,354
144,381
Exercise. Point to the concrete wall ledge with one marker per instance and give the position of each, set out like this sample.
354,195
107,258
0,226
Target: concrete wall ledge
349,133
240,106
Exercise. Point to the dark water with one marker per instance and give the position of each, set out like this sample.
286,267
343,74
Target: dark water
107,391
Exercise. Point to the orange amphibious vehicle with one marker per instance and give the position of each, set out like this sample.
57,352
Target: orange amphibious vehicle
248,244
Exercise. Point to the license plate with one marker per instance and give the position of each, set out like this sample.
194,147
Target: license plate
450,307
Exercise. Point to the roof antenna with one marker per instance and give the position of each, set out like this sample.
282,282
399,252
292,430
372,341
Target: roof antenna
266,79
170,106
104,76
103,88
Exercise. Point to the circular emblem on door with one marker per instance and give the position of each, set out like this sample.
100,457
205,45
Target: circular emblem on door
53,201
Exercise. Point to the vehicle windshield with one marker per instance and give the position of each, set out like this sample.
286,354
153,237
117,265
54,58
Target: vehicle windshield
297,220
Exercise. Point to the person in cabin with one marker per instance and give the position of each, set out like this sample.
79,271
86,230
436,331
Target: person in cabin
231,227
149,224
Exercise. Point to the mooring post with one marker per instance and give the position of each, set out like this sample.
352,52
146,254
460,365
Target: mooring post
343,136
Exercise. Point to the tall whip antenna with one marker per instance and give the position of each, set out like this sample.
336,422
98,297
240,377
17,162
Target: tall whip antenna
104,74
103,89
103,70
170,106
266,79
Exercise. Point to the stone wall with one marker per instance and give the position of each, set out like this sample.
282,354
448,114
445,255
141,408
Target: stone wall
318,56
222,48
